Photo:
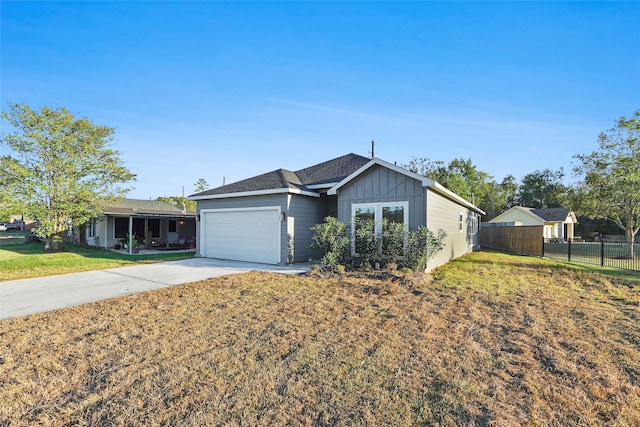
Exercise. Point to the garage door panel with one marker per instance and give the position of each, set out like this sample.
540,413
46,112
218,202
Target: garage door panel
245,235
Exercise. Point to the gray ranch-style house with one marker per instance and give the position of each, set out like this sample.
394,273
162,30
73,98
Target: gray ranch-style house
268,218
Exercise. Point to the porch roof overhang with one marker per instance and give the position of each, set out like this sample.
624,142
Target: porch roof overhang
129,212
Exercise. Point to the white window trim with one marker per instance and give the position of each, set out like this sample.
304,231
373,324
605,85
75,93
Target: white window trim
377,218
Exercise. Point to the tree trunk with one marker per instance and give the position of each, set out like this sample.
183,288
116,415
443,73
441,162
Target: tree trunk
55,242
630,241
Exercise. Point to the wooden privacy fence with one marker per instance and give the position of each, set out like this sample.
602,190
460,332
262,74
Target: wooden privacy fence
523,239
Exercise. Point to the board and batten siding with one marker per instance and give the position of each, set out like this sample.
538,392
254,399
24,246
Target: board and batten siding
443,213
303,212
246,202
380,184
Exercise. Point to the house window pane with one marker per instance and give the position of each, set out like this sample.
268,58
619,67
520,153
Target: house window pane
364,228
153,225
121,227
393,214
172,226
138,228
375,227
91,228
365,213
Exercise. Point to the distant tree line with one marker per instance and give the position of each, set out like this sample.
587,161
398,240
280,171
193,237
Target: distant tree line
538,189
606,197
61,170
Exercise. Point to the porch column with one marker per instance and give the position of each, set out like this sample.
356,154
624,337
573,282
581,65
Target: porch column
106,236
130,234
560,226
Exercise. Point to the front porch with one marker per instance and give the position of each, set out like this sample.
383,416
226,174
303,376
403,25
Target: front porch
153,251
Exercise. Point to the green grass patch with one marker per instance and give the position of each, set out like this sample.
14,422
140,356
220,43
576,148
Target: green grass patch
20,261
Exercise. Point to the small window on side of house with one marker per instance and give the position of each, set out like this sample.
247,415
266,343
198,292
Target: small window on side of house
460,222
172,226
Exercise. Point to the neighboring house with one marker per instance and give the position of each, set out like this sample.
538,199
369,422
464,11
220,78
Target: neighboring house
558,223
155,224
268,218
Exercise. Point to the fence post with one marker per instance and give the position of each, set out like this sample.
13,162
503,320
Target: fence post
601,251
569,251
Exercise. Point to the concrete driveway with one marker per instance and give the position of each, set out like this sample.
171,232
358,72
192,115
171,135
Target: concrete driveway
29,296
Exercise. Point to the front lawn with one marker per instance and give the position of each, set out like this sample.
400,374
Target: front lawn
20,261
489,339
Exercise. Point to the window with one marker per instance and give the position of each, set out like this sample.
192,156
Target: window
460,222
121,227
172,226
153,225
91,227
396,212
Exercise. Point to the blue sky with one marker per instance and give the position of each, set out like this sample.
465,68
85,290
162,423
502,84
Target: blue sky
215,89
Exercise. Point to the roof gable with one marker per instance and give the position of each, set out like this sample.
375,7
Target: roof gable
545,215
509,215
330,175
426,182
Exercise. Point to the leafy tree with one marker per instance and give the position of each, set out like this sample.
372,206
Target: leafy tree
610,186
463,178
179,202
542,189
61,171
508,189
201,185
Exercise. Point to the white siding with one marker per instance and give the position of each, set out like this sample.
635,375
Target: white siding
516,215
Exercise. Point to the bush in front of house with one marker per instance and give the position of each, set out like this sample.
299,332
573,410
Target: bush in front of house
390,244
330,242
423,245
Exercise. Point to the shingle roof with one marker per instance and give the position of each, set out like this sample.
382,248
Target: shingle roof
139,206
333,170
326,172
551,214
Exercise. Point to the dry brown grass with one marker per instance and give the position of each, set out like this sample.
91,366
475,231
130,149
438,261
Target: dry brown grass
520,341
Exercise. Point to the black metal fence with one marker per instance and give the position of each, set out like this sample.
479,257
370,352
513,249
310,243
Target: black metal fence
604,253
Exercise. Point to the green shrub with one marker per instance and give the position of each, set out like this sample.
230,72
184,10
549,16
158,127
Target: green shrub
394,239
393,244
366,243
330,242
423,246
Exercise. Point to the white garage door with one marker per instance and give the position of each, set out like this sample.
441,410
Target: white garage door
243,235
